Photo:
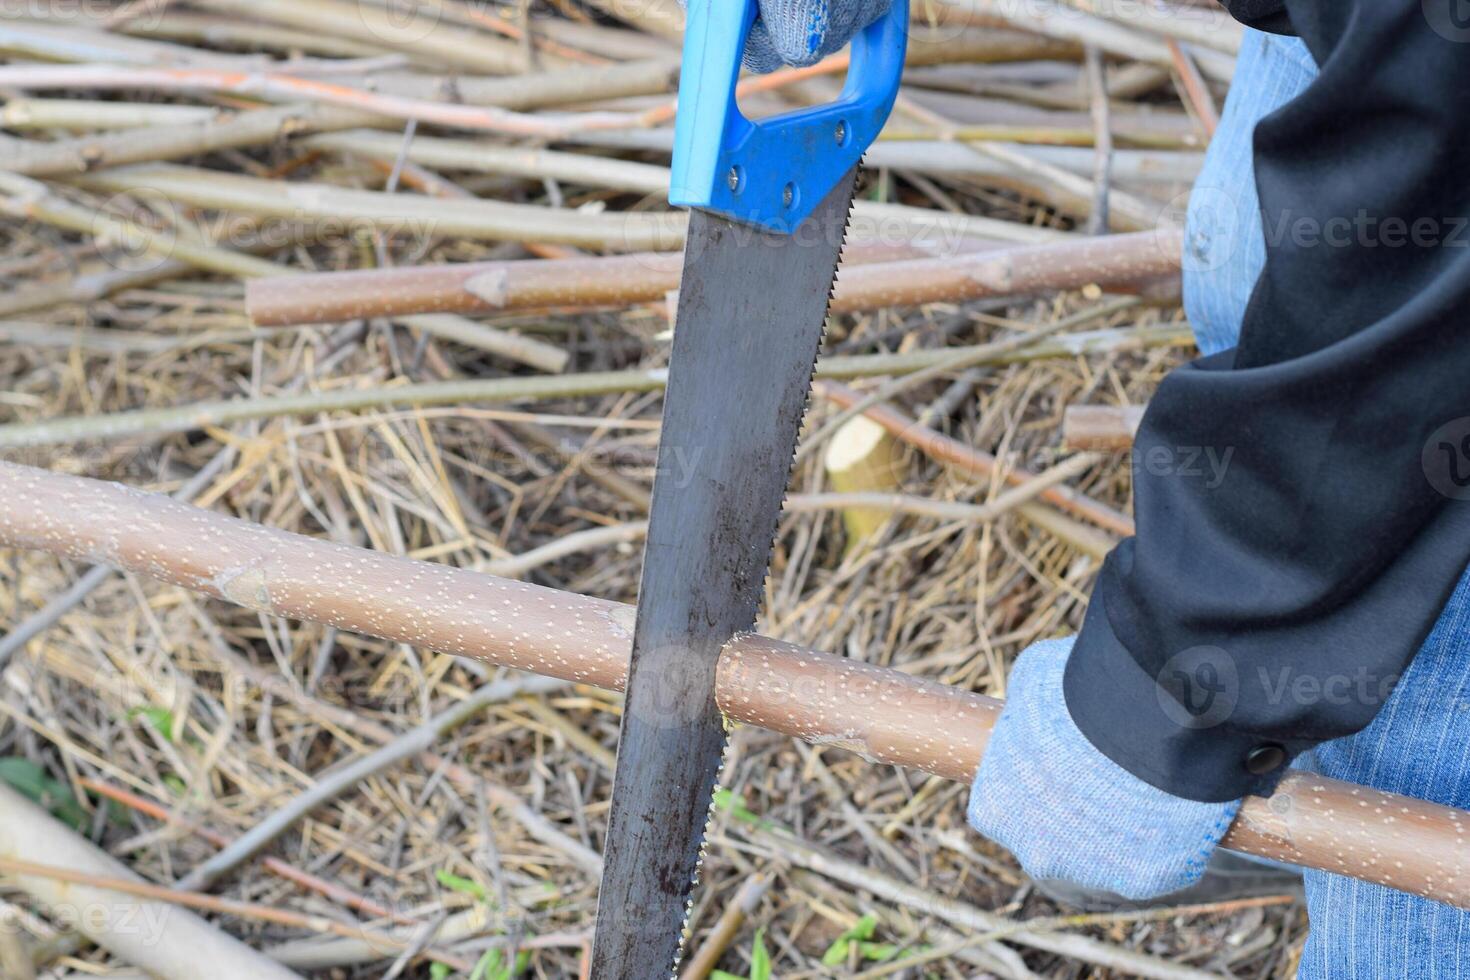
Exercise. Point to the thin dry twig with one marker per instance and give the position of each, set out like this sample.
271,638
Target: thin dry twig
342,778
486,391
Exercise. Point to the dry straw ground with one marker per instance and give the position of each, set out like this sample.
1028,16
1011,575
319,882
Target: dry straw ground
158,155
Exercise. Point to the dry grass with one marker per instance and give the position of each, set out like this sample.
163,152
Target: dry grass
140,686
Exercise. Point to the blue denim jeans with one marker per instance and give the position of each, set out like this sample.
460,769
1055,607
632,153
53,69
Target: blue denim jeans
1419,744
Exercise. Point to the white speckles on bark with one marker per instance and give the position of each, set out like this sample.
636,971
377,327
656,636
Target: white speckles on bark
882,714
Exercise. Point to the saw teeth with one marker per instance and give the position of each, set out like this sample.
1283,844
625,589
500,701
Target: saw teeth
709,822
684,931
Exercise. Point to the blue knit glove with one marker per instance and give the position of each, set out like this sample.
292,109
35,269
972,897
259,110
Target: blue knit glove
803,32
1068,812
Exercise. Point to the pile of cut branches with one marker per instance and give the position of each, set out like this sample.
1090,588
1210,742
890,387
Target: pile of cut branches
395,274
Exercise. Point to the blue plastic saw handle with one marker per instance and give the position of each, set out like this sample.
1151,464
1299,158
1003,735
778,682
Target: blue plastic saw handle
772,173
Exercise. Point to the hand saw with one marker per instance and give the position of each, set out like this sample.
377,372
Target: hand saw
769,203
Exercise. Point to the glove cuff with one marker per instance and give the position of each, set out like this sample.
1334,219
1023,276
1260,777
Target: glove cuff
1068,812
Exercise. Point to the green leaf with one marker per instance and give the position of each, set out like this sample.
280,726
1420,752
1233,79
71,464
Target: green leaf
464,885
726,801
760,961
438,971
733,804
31,780
490,966
161,719
26,776
861,932
490,961
880,952
760,958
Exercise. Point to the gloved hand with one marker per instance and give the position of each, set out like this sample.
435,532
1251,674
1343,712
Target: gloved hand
1068,812
803,32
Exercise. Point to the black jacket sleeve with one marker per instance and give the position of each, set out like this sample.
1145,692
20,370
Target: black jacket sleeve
1260,612
1263,15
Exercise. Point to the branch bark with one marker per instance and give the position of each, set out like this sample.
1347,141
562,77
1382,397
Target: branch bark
220,131
1101,426
289,88
1052,19
159,937
883,714
618,280
425,37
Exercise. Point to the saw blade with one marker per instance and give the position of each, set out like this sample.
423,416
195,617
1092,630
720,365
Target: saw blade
752,305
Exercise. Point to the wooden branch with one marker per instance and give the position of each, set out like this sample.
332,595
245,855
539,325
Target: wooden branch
41,114
892,231
484,391
67,41
281,868
35,200
744,903
534,90
136,888
168,142
422,34
1149,173
1101,426
1211,27
205,30
883,714
1052,19
290,88
175,942
975,463
480,156
1194,90
497,287
863,459
1116,261
479,219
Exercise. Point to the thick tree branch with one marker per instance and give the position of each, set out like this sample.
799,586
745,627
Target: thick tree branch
864,282
883,714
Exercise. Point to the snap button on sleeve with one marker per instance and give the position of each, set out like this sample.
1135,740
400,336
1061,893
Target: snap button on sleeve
1265,758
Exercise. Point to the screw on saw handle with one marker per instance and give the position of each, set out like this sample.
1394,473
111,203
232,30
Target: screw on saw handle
772,173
